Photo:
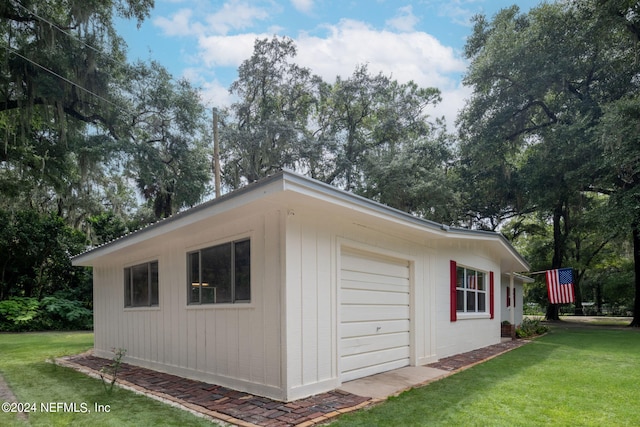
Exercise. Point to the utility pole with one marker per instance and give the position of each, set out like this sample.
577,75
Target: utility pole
216,153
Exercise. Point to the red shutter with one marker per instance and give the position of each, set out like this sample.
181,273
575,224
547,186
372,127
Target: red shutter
491,303
508,296
452,285
514,296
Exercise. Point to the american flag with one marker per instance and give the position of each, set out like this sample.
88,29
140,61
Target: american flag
560,285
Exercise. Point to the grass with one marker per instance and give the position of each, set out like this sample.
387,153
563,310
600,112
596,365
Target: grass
23,366
575,375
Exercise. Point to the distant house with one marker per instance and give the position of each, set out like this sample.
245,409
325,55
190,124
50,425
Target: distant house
289,287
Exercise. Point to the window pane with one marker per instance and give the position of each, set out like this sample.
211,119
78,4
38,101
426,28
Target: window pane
460,277
243,270
140,275
471,301
208,294
481,281
127,287
471,280
194,277
460,301
153,267
216,274
482,307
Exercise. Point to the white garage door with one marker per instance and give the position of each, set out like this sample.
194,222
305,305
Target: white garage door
374,314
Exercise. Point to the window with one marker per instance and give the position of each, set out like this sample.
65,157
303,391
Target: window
471,291
141,285
220,274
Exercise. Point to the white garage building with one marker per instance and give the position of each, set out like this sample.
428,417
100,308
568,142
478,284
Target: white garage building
290,287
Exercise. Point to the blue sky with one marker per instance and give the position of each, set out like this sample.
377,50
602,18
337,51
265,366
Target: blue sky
422,40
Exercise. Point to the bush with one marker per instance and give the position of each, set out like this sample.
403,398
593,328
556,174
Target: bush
66,314
530,327
17,313
22,314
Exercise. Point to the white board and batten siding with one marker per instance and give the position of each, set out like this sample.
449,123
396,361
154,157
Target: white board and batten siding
236,345
375,313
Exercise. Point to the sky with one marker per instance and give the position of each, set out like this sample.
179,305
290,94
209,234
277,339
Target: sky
205,41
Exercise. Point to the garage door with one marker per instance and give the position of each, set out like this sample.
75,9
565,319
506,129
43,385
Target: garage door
375,314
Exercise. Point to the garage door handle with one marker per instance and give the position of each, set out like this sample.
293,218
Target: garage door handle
378,328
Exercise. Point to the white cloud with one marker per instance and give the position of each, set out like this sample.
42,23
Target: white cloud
227,51
179,24
405,20
408,55
214,94
453,99
235,15
416,56
304,6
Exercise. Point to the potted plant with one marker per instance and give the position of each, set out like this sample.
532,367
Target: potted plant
506,329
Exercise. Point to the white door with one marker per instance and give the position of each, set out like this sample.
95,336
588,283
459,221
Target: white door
374,314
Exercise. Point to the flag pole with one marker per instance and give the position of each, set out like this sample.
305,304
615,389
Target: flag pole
534,272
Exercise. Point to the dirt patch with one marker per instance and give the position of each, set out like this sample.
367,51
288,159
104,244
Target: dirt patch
6,395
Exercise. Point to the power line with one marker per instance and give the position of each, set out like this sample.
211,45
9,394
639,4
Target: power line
69,34
48,70
68,81
95,49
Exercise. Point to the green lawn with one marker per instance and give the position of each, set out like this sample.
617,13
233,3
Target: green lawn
23,366
573,376
578,376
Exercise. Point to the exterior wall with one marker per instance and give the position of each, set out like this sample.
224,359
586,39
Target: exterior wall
314,241
519,301
285,343
469,331
236,345
313,244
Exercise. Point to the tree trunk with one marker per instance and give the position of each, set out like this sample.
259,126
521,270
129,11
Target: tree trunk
578,311
636,262
558,255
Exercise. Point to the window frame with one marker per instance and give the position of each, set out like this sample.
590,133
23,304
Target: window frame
129,288
472,288
233,275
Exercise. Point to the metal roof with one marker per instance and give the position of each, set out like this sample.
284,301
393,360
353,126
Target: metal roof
289,181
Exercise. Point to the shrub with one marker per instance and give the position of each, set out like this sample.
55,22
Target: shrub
22,314
62,313
17,313
530,327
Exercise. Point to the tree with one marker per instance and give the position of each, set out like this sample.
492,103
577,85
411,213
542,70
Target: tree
620,130
367,133
540,83
60,64
366,115
168,157
75,115
378,141
35,250
267,127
